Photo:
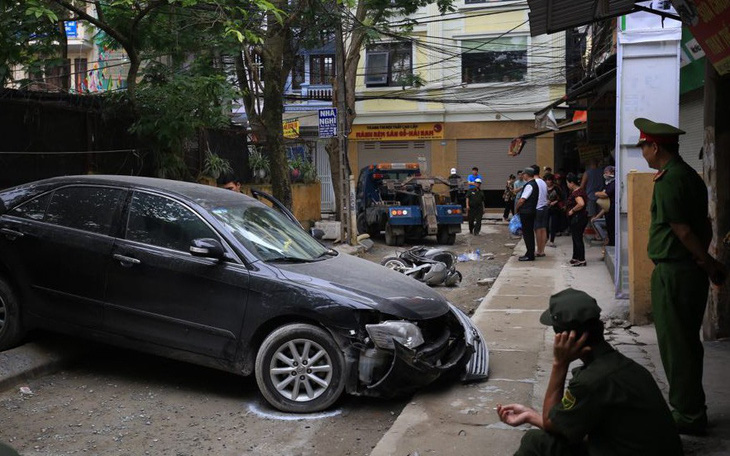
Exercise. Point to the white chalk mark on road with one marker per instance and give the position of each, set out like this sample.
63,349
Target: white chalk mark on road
272,415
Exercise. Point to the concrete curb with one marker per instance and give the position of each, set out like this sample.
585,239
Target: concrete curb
36,359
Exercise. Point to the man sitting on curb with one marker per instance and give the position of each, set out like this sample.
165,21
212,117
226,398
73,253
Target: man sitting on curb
612,405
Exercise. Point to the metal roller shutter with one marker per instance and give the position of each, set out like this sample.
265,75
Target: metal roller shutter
691,120
490,156
370,152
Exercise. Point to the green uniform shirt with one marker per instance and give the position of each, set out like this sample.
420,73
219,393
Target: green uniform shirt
476,199
616,403
680,196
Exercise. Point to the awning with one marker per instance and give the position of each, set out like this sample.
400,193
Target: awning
581,89
577,123
550,16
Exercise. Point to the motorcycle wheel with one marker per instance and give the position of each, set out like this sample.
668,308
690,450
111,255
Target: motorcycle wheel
395,264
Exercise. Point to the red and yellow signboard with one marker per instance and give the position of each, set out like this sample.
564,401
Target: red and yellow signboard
397,132
291,128
710,25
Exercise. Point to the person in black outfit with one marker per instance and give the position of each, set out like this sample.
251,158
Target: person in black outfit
577,218
555,208
527,208
509,197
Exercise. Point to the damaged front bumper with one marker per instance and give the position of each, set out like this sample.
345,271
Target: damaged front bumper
459,351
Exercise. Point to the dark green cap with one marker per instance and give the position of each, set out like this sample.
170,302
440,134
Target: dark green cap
656,132
569,309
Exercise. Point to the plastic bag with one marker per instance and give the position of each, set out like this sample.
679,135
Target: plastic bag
515,225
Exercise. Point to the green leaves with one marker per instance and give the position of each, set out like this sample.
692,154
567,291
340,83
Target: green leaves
38,10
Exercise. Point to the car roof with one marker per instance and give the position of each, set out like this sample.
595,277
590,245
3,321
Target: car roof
205,195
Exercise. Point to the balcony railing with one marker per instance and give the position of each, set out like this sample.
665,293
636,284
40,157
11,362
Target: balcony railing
317,92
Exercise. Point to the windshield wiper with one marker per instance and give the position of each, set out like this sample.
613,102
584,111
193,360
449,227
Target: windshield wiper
328,252
287,259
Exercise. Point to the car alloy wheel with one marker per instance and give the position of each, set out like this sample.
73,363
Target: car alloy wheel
299,368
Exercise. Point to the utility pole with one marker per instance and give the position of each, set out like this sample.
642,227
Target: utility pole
348,221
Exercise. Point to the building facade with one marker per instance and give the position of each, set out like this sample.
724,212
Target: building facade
457,91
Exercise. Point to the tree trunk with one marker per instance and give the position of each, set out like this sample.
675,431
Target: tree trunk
333,146
134,64
272,114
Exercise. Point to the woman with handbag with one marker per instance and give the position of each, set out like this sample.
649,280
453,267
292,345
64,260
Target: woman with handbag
577,218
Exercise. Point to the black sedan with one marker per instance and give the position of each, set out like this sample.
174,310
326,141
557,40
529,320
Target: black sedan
217,278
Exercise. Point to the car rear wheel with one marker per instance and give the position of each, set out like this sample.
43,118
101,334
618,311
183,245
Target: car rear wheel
11,331
300,369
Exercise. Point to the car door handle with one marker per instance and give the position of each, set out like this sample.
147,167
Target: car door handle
125,260
11,234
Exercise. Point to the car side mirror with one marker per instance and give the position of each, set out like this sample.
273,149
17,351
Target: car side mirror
317,234
207,248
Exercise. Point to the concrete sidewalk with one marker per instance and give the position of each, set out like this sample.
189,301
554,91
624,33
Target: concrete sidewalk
460,419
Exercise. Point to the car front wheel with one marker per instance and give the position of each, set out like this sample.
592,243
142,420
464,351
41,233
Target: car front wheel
11,331
300,369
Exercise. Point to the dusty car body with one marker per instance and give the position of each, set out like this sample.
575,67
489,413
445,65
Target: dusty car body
220,279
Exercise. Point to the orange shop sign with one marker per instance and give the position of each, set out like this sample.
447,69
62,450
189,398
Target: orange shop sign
397,132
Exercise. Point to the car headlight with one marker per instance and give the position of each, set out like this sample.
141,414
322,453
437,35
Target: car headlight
383,334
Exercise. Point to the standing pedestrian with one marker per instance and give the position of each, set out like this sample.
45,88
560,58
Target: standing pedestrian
475,207
454,183
611,405
577,218
564,229
555,208
609,192
679,236
591,182
473,177
541,215
509,197
527,209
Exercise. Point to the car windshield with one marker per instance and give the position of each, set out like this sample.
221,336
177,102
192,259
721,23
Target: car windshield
269,234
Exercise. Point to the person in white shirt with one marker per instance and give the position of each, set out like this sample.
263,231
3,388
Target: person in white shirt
541,216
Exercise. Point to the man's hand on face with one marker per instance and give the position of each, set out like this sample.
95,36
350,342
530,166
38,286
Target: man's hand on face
567,349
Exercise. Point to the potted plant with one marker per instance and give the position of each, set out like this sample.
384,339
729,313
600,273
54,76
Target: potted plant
214,166
295,168
259,164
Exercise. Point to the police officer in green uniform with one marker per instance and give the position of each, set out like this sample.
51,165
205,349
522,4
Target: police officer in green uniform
475,207
679,236
612,405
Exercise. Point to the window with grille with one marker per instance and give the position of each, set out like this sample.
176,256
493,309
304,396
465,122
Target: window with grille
388,64
321,69
494,60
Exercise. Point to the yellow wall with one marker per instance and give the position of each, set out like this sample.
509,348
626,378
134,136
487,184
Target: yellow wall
306,200
476,22
639,191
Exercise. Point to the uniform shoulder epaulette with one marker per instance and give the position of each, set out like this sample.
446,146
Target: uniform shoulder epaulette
659,174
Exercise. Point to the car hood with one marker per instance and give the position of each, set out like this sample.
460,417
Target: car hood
369,284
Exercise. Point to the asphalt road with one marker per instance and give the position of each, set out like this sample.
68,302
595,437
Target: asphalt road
123,402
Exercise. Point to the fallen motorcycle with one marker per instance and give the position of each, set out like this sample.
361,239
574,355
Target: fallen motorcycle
432,266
